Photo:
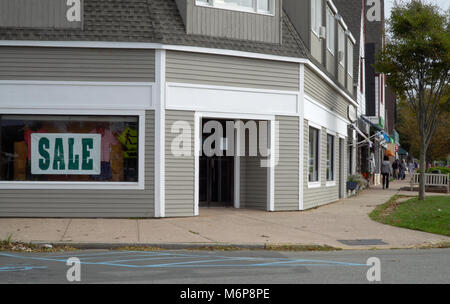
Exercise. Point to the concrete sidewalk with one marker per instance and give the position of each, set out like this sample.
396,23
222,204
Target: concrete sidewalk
346,219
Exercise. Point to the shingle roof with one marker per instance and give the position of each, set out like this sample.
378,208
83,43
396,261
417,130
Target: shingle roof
155,21
350,10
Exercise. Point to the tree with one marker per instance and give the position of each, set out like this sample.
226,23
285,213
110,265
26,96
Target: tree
407,126
416,60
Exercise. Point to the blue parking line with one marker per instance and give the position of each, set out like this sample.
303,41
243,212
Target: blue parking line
313,261
20,268
142,259
274,262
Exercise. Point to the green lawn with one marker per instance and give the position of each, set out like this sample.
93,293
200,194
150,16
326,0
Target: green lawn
431,215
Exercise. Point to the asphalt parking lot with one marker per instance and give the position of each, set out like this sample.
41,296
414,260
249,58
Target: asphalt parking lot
226,267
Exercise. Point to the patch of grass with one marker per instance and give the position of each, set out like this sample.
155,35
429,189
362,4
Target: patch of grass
219,247
301,248
8,245
437,245
138,248
431,215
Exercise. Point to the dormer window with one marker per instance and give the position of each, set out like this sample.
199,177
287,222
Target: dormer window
341,46
316,16
330,30
251,6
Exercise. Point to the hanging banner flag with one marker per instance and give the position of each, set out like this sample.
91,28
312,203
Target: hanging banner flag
65,154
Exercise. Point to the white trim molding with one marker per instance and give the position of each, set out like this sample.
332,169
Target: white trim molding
320,115
33,94
301,150
160,129
194,97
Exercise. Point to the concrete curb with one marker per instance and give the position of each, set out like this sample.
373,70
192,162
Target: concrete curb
182,246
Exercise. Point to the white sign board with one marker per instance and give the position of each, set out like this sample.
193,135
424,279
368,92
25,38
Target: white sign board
65,154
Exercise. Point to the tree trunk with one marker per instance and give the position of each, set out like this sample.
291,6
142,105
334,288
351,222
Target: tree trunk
423,168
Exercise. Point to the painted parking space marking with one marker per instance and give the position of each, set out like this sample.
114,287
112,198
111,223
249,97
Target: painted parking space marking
20,268
146,260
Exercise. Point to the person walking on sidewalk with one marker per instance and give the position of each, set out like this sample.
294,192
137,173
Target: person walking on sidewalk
386,171
402,168
395,168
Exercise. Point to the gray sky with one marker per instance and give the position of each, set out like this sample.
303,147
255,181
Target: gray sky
444,4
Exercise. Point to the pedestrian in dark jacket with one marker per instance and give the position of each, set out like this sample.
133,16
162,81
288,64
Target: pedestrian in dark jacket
386,171
395,168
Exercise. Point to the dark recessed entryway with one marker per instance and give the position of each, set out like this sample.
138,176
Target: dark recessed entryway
216,174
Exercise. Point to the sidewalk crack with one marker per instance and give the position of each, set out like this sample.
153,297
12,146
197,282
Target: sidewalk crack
206,238
138,232
65,231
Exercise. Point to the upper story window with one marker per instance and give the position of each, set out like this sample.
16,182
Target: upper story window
350,58
316,16
331,27
252,6
341,45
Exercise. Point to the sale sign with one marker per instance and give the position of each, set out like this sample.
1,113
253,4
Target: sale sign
65,154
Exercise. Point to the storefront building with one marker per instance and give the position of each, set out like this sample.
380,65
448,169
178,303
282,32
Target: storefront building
107,117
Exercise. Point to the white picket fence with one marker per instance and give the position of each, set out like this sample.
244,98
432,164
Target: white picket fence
431,179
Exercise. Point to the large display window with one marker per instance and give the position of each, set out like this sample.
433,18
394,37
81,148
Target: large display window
63,148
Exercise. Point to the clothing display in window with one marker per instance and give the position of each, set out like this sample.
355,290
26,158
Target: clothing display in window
129,138
67,149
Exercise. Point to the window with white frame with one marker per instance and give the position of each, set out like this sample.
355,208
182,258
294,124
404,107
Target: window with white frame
69,148
314,158
330,30
350,57
316,16
330,157
341,45
256,6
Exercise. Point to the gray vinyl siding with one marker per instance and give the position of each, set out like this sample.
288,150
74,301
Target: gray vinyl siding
253,183
208,21
316,47
322,92
341,74
207,69
287,170
313,197
87,203
37,14
77,64
349,83
179,174
331,63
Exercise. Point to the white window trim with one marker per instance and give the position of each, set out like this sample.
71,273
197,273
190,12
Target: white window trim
236,8
43,185
313,18
350,55
331,183
318,183
343,61
331,17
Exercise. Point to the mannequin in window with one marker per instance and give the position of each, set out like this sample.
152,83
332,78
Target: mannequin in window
108,139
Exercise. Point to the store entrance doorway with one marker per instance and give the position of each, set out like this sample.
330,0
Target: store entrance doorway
216,178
